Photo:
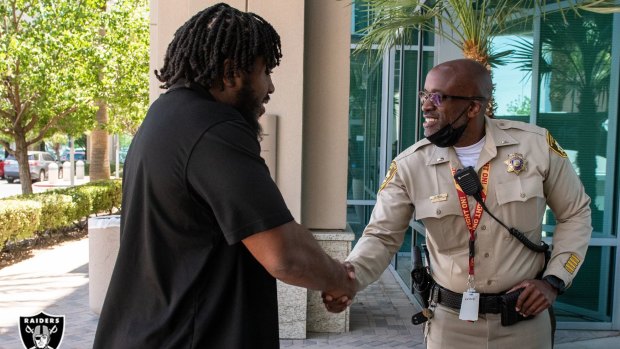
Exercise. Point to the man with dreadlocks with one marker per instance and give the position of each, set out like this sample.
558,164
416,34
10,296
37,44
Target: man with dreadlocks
205,232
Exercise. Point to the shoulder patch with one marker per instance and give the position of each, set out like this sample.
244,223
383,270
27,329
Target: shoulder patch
388,177
553,144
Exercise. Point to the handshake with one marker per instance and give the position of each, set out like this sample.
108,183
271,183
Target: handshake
339,297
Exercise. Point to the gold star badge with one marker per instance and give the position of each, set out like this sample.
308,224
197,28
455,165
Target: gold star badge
516,163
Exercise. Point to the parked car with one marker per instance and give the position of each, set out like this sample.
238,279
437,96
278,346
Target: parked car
78,154
38,161
1,167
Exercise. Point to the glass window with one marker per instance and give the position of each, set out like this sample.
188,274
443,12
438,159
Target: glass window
364,127
384,120
575,71
513,84
590,296
573,91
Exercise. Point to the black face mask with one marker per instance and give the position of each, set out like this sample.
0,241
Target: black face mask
447,136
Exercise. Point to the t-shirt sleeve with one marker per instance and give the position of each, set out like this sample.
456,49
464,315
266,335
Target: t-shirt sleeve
225,169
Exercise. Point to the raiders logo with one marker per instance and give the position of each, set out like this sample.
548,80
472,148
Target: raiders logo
42,331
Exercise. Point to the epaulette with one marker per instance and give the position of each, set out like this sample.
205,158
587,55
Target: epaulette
413,148
524,126
553,144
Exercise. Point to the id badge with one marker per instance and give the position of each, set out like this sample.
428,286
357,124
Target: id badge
469,306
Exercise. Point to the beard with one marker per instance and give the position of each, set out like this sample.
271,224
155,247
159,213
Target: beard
250,106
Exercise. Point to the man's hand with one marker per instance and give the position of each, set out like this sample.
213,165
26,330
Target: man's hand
338,300
537,296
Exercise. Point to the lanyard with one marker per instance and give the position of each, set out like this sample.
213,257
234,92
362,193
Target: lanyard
472,224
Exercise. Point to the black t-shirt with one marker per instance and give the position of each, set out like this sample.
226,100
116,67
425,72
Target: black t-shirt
194,186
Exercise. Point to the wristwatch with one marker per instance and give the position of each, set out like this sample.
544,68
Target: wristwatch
556,283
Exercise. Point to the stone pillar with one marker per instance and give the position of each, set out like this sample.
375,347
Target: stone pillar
338,245
300,310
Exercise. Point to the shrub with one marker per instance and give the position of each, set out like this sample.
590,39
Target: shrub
19,219
23,216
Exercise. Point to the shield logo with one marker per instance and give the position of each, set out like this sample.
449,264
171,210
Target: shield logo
42,331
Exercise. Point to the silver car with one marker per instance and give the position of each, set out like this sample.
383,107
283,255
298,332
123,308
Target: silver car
39,162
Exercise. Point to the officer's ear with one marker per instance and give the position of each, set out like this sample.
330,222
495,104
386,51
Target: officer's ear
474,109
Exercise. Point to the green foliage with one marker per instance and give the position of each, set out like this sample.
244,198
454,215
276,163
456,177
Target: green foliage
124,64
57,57
57,210
468,24
45,58
520,106
104,196
23,216
19,219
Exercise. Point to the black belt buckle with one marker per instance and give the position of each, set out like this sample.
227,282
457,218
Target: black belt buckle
490,305
509,314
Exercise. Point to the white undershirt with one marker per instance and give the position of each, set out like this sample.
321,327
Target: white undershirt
469,155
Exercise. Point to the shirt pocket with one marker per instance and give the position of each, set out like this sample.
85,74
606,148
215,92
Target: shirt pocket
444,223
521,204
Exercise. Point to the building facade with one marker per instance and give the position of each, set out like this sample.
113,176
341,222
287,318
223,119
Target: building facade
341,118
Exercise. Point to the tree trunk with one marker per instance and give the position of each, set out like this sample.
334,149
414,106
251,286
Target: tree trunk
21,155
99,154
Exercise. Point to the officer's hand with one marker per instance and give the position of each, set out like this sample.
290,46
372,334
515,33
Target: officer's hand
338,304
537,296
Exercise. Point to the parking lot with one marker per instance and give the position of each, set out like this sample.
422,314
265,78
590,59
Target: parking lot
7,189
10,189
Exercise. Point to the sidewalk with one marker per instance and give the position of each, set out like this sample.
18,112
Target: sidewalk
61,183
56,281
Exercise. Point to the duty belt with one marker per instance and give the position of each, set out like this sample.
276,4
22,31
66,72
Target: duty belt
489,303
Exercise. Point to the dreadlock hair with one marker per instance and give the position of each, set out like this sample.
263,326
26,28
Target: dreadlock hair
201,45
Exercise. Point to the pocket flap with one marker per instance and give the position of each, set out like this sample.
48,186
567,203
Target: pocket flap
519,190
425,208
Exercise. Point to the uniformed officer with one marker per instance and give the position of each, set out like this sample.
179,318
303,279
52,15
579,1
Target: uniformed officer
522,170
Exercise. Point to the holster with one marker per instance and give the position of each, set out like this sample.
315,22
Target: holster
421,285
509,314
421,280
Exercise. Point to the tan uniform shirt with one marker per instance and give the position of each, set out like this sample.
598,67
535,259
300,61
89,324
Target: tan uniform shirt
420,185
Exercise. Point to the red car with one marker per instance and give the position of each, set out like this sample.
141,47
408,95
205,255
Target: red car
1,168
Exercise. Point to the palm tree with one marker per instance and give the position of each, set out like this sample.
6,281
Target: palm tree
469,24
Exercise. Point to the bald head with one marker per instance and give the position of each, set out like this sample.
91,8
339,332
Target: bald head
467,76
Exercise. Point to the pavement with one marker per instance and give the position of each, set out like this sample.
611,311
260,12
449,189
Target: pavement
60,183
55,281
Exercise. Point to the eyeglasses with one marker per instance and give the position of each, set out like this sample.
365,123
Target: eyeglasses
437,98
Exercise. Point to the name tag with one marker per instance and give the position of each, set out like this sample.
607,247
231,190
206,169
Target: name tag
439,197
469,306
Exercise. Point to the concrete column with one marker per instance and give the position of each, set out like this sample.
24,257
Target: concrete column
326,114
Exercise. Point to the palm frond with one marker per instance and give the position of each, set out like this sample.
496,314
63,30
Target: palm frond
393,21
466,23
497,59
601,6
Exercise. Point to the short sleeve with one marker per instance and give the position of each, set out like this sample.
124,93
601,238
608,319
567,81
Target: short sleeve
226,171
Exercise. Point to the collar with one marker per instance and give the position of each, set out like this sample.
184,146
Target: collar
182,83
496,136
